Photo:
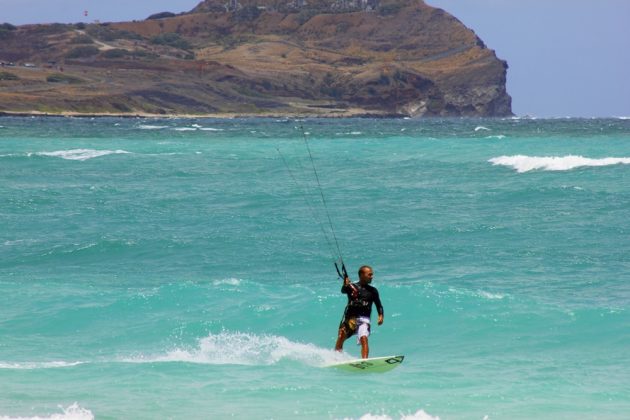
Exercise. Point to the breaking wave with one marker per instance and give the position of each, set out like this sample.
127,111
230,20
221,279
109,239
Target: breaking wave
152,127
81,154
524,163
73,412
37,365
418,415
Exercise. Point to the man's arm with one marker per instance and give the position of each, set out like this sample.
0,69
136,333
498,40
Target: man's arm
379,307
349,289
344,288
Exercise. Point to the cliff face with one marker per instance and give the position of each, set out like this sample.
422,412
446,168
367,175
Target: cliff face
313,57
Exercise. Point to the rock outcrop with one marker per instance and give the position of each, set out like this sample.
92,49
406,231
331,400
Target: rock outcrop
265,57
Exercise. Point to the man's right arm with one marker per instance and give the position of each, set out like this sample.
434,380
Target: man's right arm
349,289
345,287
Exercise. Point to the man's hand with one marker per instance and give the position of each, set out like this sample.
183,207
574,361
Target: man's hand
380,319
354,292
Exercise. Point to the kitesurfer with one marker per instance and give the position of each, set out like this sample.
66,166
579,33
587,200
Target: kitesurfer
356,316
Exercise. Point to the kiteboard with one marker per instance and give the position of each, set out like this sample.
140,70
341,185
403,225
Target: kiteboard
372,365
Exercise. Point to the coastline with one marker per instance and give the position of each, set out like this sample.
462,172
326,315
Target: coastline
348,113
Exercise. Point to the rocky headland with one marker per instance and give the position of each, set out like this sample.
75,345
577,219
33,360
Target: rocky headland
257,58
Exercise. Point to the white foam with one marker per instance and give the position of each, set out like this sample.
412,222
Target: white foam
236,348
498,136
38,365
481,127
524,163
477,294
81,154
196,127
491,296
230,282
152,127
418,415
73,412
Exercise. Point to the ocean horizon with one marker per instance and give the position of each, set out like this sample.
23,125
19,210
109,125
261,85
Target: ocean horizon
183,267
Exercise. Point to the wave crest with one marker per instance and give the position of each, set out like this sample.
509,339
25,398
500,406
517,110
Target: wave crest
418,415
81,154
73,412
524,163
38,365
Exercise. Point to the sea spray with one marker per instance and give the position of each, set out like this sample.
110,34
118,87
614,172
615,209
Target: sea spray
236,348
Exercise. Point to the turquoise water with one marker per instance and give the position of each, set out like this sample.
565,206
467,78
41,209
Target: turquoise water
175,269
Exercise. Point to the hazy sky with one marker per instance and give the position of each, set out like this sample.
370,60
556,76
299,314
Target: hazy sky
566,57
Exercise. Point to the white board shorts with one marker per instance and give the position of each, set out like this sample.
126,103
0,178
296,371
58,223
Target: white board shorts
363,329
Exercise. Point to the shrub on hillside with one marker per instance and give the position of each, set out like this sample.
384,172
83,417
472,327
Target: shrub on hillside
116,53
172,40
105,33
144,54
82,39
63,78
51,29
389,9
161,15
247,14
6,30
5,75
83,52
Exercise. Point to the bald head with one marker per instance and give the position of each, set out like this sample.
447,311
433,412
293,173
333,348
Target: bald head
365,274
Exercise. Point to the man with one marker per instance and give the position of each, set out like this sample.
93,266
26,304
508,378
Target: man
356,317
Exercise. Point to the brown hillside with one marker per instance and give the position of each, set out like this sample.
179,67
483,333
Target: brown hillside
264,58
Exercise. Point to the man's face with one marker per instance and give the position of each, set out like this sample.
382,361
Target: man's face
366,275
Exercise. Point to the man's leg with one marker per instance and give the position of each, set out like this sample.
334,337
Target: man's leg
365,349
341,337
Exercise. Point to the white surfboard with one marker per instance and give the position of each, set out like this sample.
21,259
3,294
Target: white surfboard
374,364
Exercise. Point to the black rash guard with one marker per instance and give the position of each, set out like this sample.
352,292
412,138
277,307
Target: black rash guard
361,305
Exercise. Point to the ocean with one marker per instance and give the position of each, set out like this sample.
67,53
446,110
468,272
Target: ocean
183,268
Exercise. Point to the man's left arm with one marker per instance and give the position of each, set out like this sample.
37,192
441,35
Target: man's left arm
379,307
